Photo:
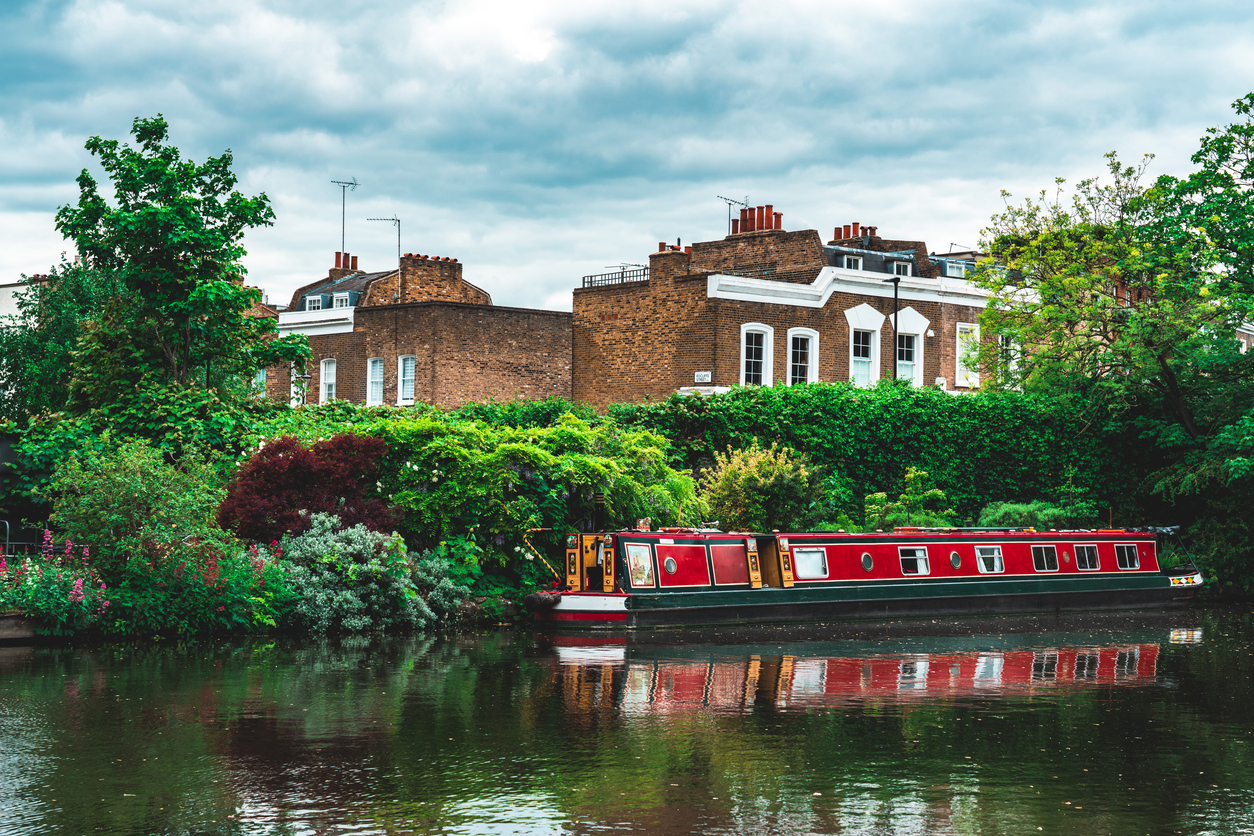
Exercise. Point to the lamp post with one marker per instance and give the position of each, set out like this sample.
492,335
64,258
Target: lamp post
896,280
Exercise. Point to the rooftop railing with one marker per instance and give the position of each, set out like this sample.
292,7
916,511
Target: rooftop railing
624,276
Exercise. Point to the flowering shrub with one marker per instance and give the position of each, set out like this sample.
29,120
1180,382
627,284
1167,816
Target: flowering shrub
759,489
284,477
60,590
354,580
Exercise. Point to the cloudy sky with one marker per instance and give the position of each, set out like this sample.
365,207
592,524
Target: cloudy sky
541,141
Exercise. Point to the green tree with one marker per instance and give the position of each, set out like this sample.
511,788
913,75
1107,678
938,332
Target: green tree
920,504
1107,290
36,343
172,237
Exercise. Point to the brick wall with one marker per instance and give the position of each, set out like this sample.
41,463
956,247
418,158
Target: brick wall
772,253
425,278
463,352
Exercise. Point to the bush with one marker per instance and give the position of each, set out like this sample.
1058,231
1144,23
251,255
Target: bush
135,507
758,489
61,591
283,478
918,506
1040,515
355,580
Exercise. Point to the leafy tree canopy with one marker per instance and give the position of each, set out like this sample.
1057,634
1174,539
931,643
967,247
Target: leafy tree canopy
172,238
36,343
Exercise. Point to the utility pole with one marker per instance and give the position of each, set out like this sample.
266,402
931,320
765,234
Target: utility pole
345,186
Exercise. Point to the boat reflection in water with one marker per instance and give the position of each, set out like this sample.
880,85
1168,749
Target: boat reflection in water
803,676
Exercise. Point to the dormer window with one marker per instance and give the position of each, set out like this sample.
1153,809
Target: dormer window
313,303
956,269
901,268
853,262
340,300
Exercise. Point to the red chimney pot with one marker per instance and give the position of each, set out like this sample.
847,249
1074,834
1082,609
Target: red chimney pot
338,256
761,224
736,224
354,262
779,220
856,228
769,216
661,246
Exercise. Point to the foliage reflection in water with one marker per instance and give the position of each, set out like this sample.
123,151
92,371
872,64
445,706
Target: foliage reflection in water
1129,726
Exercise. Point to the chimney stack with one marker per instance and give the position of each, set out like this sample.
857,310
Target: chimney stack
338,256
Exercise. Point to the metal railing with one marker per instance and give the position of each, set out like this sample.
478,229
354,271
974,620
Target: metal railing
639,274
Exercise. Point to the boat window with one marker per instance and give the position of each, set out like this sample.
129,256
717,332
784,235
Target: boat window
867,563
954,560
670,566
1086,558
913,561
1126,558
988,560
640,564
810,563
1045,558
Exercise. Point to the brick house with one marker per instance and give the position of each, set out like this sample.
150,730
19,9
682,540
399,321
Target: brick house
421,333
764,306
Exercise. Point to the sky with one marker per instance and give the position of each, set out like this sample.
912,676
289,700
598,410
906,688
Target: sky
538,142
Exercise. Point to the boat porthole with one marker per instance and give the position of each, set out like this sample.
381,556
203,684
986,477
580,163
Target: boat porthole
955,560
670,566
867,563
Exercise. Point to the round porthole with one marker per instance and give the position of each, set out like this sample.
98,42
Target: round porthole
670,566
867,563
955,560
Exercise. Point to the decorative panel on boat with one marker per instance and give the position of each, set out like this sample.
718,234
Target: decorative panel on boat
679,565
730,564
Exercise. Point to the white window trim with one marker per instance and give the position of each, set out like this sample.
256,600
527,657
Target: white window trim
1136,557
911,323
1098,554
322,379
918,553
897,265
856,259
768,351
310,302
963,376
340,297
955,270
1057,565
865,318
400,380
371,364
812,364
1000,565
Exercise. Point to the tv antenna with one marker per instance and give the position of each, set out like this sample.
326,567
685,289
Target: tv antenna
396,222
731,201
345,186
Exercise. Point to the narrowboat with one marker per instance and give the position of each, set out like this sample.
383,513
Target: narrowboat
644,578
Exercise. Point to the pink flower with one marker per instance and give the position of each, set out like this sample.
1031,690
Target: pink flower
76,594
4,567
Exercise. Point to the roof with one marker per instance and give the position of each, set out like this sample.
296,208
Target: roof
357,281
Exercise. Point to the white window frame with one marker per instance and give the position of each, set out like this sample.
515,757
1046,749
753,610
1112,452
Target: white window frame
865,318
313,303
1097,558
804,560
853,262
768,351
812,359
902,268
918,554
326,380
911,323
964,376
373,365
1136,557
999,564
955,270
1046,549
259,382
401,400
340,300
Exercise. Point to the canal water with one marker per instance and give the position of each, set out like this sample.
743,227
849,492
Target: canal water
1131,724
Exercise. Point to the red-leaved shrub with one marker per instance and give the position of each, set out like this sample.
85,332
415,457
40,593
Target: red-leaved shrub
336,476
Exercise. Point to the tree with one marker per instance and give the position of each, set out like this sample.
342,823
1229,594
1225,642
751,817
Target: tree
36,344
1110,289
173,241
760,489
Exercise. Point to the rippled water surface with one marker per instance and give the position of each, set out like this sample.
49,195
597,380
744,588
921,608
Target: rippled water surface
1106,725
